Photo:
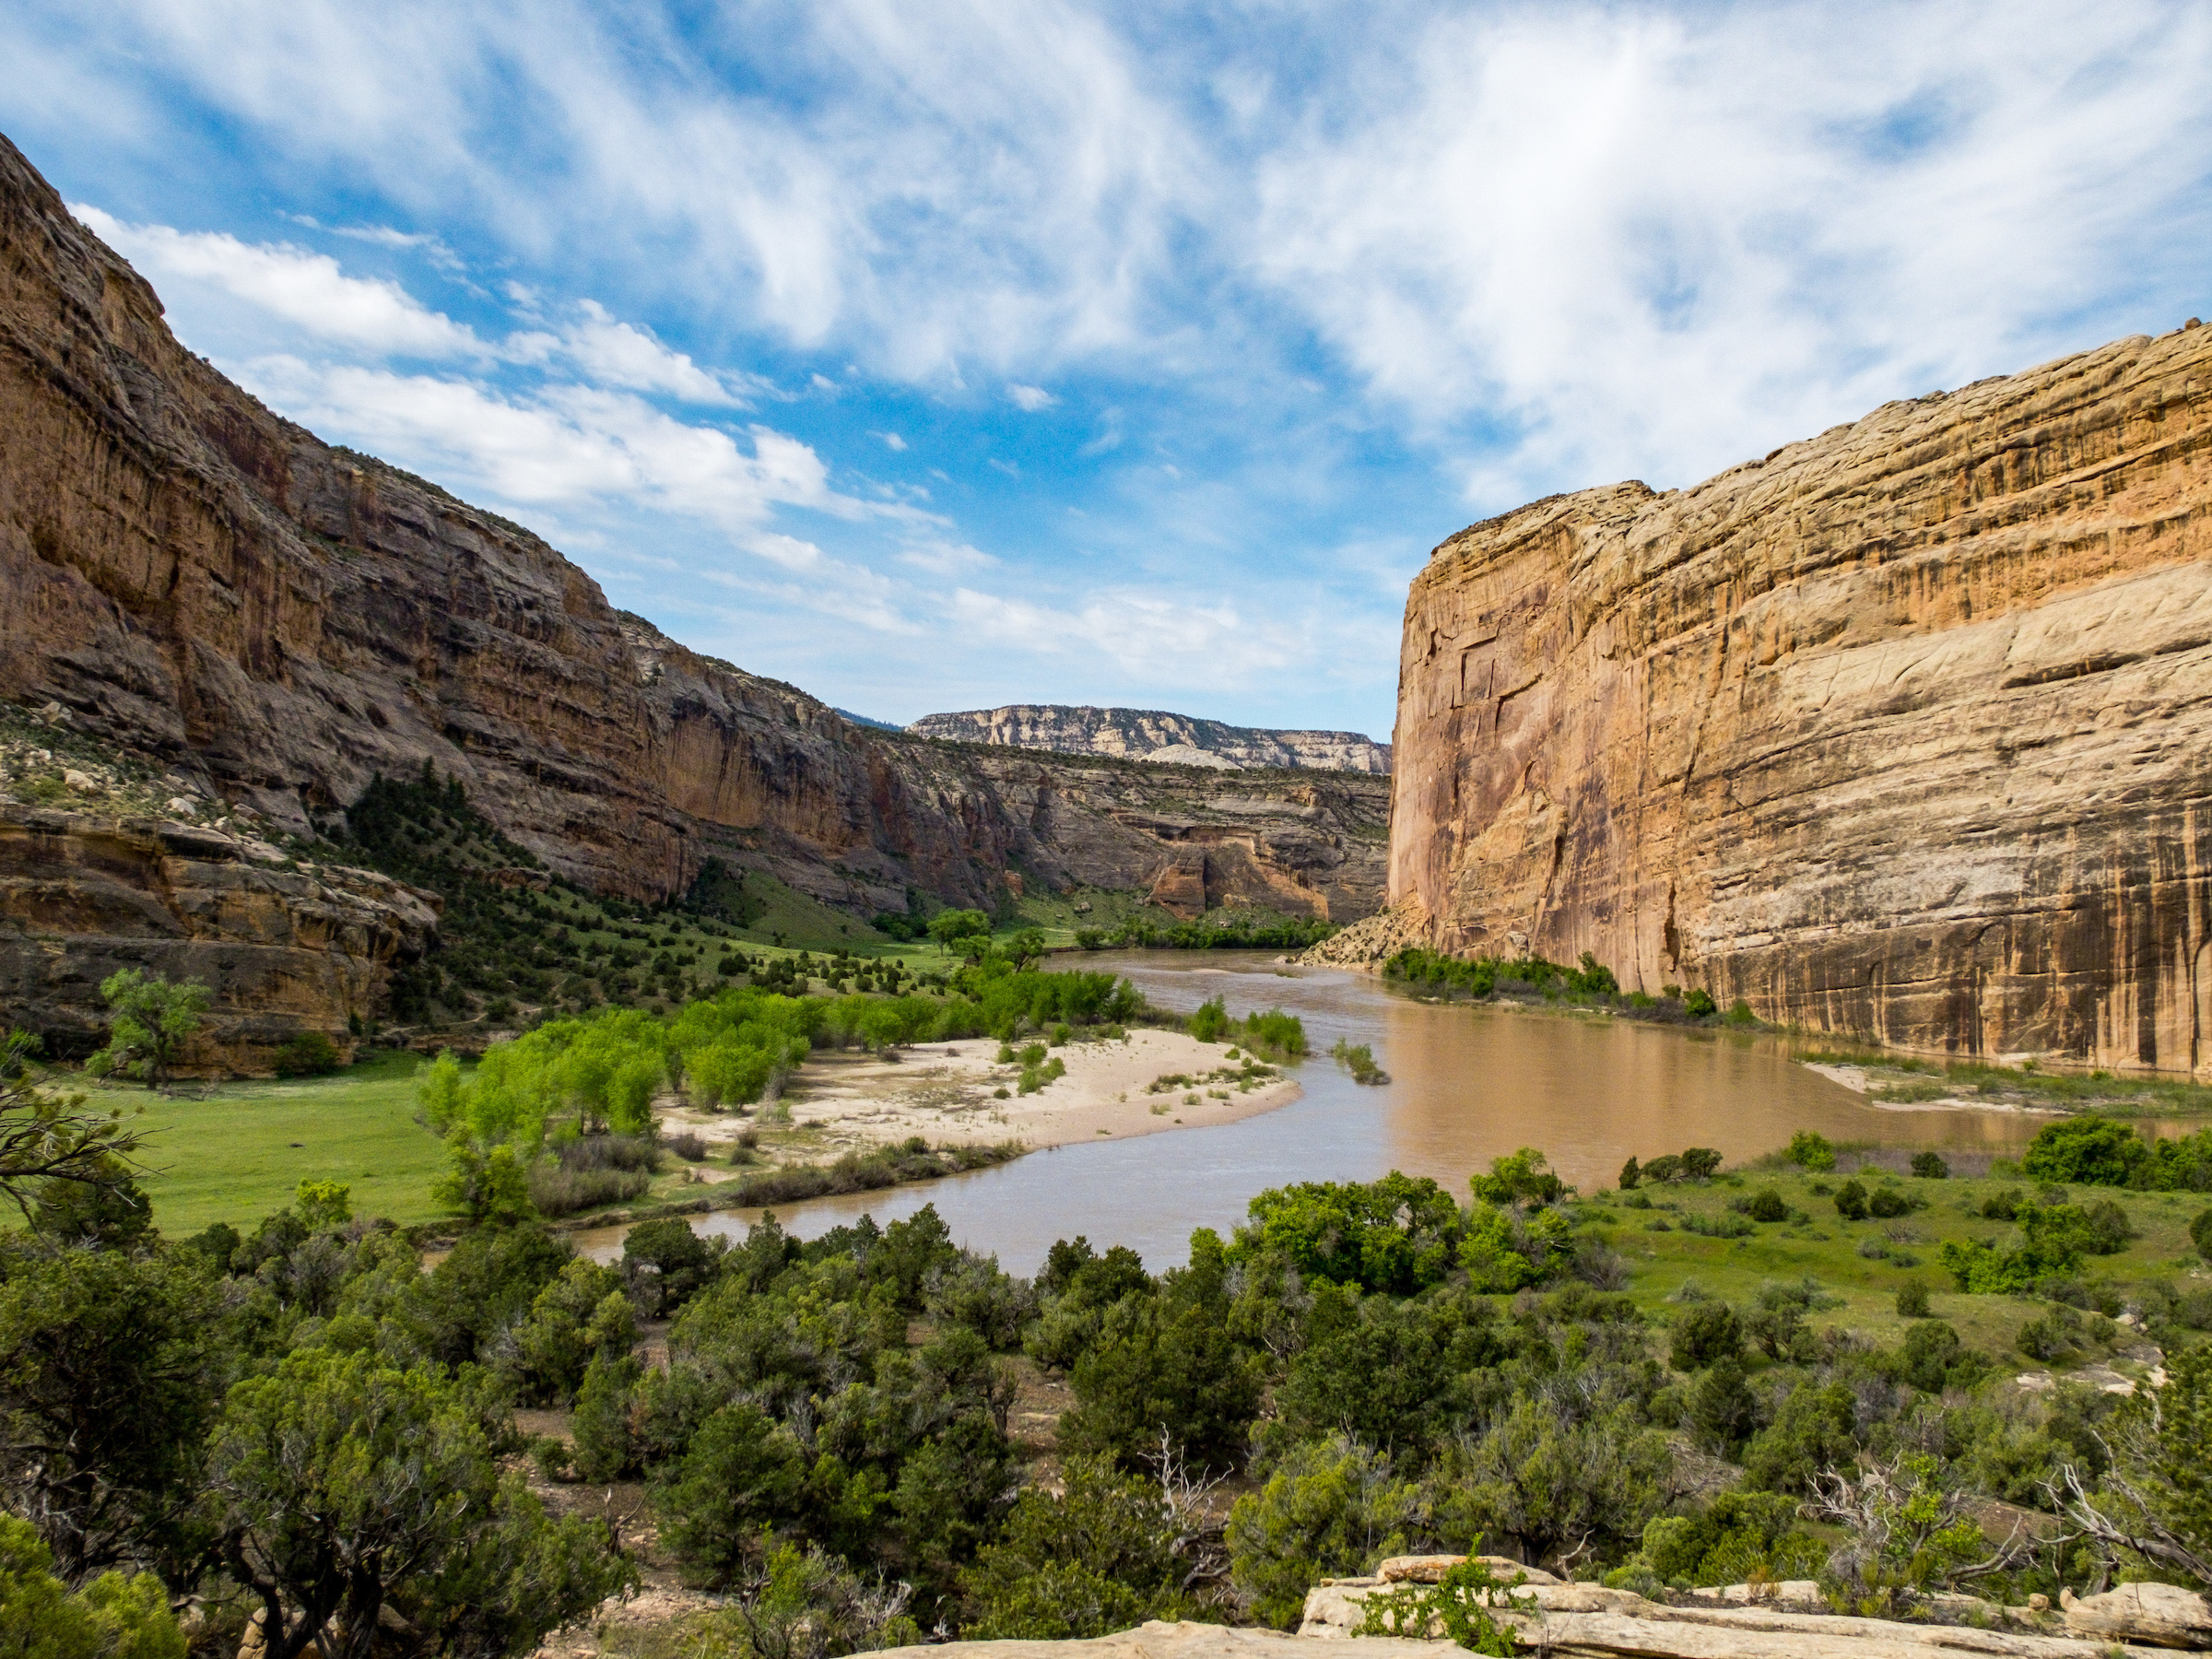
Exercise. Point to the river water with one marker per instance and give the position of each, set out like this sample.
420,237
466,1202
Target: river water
1467,1084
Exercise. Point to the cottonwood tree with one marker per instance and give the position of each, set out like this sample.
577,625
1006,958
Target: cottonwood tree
153,1016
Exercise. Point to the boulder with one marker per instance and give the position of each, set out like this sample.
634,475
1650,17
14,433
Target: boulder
2160,1615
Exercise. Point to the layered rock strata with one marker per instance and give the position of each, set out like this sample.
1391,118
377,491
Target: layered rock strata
1904,731
187,576
1154,735
282,948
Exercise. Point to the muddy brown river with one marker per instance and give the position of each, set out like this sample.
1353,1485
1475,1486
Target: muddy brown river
1466,1084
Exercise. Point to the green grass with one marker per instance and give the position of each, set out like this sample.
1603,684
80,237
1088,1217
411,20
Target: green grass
1905,1079
232,1157
1828,1249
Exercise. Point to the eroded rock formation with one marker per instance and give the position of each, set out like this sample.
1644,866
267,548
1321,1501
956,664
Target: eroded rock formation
283,948
1905,730
187,576
1152,735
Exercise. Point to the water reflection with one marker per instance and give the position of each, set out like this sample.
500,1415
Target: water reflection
1466,1085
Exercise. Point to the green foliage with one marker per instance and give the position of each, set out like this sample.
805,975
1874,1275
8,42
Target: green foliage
1167,1364
1704,1332
1766,1205
1811,1151
309,1055
110,1365
490,1187
112,1618
1912,1299
949,926
1632,1174
2087,1151
1909,1532
1104,1554
1814,1430
1330,1509
2200,1234
1930,1166
338,1482
150,1021
1485,977
804,1604
1699,1004
1461,1607
1553,1475
1524,1177
1359,1061
1231,930
1396,1234
1850,1200
1738,1536
1210,1020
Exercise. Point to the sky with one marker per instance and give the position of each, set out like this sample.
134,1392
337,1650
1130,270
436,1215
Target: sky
935,356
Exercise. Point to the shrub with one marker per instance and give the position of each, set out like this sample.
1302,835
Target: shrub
1768,1204
1100,1556
1700,1163
1851,1201
309,1055
1705,1333
556,1191
2200,1234
1889,1203
688,1146
1930,1166
2090,1151
1631,1174
1332,1508
1209,1021
1699,1005
1458,1607
1912,1299
1811,1151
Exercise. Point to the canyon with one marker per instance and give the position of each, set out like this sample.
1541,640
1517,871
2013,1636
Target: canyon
191,579
1901,733
1154,735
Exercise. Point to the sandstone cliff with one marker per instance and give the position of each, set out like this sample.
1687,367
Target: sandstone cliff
1150,735
187,576
1905,730
283,947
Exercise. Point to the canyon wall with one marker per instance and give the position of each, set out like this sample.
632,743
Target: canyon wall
1904,731
188,577
1152,735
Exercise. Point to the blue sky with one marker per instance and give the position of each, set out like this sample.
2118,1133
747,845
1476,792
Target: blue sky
934,357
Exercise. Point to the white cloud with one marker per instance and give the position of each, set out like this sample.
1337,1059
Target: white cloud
892,441
1655,243
1147,638
306,289
616,353
567,446
944,557
1031,398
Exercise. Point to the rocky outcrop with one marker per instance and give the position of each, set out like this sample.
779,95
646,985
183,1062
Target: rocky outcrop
1580,1628
283,946
1153,734
1904,731
192,578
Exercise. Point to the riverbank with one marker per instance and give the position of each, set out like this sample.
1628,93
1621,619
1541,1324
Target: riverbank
960,1093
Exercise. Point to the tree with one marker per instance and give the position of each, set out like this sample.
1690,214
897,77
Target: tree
113,1617
2155,1499
2087,1151
1558,1487
109,1376
1705,1331
338,1483
1331,1508
1109,1551
152,1018
47,1137
949,926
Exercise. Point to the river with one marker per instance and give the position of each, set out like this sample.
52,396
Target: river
1467,1083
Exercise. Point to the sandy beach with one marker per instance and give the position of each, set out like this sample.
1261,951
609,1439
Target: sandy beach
946,1092
1856,1079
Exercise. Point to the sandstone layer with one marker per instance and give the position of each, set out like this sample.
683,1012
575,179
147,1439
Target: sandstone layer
281,947
1154,735
190,577
1904,731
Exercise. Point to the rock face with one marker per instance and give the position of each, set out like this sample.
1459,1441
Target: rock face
284,949
1904,731
1152,735
191,577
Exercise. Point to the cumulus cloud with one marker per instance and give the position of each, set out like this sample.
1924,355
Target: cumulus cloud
308,291
565,446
